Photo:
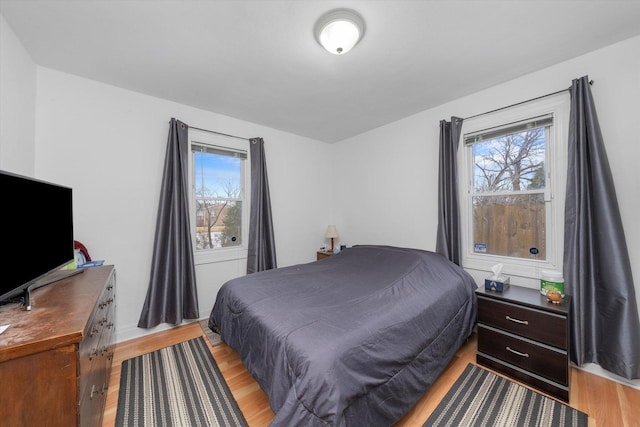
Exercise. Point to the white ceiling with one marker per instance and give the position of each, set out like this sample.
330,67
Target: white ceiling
259,61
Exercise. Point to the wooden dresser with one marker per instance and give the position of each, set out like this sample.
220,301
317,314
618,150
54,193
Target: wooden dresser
523,335
55,360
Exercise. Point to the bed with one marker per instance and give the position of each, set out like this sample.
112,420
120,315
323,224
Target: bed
352,340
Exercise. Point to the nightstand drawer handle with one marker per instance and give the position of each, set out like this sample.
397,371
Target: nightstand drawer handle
517,352
522,322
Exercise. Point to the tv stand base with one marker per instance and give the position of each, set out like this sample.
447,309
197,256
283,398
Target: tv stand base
47,280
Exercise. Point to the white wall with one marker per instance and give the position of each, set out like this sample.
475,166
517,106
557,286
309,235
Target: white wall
17,104
379,187
108,144
387,192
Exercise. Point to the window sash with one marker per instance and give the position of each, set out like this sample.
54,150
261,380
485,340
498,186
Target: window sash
503,130
486,135
209,142
200,198
222,199
510,226
547,123
221,151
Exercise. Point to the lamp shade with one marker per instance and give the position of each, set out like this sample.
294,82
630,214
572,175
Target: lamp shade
332,232
338,31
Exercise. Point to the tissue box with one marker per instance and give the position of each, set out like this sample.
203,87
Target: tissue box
498,284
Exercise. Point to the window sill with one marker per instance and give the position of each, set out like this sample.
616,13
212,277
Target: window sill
512,267
219,255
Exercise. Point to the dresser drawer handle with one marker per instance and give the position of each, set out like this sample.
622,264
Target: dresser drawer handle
517,352
522,322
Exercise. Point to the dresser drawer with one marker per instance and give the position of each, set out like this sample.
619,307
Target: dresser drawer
554,389
91,405
527,322
542,360
102,316
96,358
89,349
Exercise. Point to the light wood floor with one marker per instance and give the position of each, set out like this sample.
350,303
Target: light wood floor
608,403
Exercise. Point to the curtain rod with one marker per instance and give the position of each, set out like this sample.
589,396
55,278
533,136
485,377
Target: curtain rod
219,133
522,102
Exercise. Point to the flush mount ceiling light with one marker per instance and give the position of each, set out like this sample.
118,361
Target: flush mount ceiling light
339,30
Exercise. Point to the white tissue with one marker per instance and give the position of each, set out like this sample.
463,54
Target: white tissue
497,271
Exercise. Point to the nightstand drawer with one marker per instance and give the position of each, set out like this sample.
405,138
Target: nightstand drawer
537,325
542,360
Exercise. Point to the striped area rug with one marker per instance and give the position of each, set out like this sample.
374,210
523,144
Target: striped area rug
481,398
180,385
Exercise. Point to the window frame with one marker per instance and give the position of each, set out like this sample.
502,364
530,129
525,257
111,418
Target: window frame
556,161
226,143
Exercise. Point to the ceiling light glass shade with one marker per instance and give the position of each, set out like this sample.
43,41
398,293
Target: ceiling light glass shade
338,31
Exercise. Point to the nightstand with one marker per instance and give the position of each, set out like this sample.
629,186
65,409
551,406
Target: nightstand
526,337
323,254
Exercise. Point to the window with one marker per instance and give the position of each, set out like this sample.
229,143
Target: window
512,195
508,189
218,196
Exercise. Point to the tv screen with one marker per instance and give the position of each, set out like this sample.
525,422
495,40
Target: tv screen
37,239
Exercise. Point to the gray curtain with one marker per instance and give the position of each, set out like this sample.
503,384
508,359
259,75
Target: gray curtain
604,320
172,294
448,237
262,247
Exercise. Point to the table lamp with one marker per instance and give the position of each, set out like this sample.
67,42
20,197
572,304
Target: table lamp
332,233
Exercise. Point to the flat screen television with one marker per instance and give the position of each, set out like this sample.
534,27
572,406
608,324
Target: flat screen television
37,232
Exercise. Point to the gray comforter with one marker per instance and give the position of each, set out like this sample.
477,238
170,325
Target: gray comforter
352,340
